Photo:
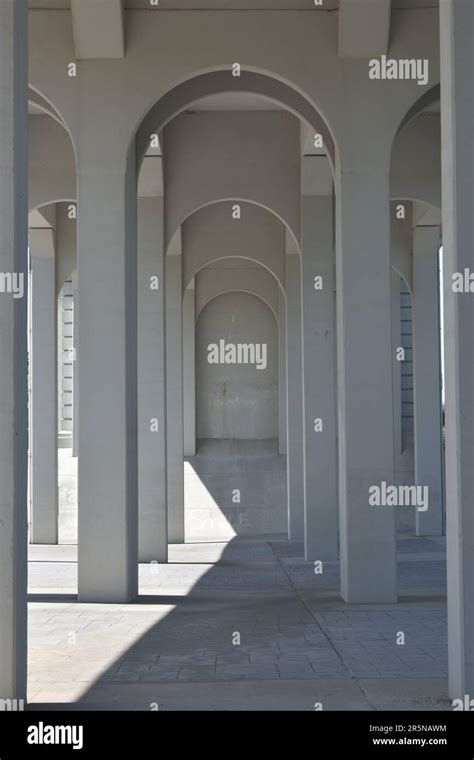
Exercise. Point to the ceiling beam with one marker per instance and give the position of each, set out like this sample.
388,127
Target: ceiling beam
98,27
364,28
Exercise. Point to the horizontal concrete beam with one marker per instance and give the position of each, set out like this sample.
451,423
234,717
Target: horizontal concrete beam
364,28
98,27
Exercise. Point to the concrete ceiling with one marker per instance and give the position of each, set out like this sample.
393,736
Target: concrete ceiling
99,25
230,4
198,4
364,28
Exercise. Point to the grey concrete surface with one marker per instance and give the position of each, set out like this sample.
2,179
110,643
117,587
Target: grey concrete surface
299,643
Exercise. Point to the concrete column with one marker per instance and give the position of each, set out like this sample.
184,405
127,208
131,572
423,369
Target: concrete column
13,343
427,379
367,532
457,123
44,402
189,371
75,368
282,414
153,520
174,396
294,399
108,463
320,461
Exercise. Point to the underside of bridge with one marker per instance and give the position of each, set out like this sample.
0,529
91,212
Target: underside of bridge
237,363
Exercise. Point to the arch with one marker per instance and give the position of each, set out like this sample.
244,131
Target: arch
428,98
64,266
47,105
174,241
212,82
248,291
228,398
247,284
251,202
402,277
52,162
415,170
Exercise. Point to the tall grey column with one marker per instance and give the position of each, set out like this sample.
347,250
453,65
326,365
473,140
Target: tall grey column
457,123
367,532
427,379
13,344
174,396
281,372
189,371
108,463
294,399
153,519
44,401
320,461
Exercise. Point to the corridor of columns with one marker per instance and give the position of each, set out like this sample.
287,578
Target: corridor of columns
241,410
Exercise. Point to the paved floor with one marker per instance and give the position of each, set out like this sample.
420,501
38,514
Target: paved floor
244,624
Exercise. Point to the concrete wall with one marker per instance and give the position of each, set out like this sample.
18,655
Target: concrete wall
235,488
237,400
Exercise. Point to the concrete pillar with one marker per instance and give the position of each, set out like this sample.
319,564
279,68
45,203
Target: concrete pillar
153,520
44,402
427,379
294,396
367,532
189,371
75,368
13,343
320,460
457,124
174,396
282,414
108,463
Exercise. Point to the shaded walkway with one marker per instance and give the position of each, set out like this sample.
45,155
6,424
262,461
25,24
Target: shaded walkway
299,644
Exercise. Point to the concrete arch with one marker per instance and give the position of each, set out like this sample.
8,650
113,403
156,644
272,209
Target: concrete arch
277,228
215,81
51,162
66,248
40,104
294,240
415,171
46,104
248,291
237,402
420,104
210,283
